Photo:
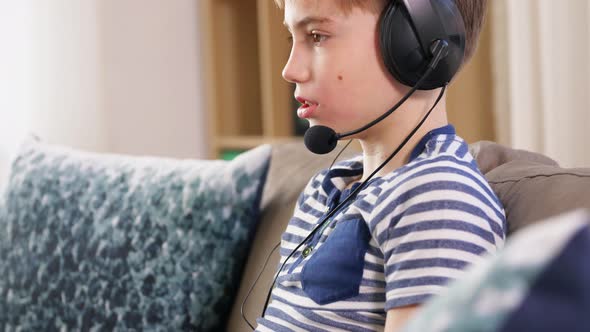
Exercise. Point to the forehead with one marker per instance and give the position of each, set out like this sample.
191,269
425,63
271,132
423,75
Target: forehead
316,11
375,6
311,4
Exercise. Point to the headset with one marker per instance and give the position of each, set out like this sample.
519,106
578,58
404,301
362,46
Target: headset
410,31
415,36
422,45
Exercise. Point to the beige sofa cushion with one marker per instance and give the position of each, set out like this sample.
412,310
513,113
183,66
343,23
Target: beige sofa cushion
531,186
531,192
490,155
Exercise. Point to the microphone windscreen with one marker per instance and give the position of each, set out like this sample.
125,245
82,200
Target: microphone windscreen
320,139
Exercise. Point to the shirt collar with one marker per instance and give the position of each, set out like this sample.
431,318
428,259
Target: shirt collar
354,166
445,130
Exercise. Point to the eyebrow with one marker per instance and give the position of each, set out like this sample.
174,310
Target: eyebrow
309,20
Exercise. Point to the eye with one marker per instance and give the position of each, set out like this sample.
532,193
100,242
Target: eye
317,38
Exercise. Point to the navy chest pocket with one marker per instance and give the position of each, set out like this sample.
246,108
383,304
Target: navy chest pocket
334,272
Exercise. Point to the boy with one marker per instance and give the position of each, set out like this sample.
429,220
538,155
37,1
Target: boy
425,216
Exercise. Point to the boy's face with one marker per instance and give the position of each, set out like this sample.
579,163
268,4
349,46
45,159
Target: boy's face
335,63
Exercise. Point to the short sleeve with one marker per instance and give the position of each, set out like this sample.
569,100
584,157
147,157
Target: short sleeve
430,228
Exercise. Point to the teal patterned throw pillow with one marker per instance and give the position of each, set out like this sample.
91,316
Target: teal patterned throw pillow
110,242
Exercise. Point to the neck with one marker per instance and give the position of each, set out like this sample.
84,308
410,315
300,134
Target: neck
390,133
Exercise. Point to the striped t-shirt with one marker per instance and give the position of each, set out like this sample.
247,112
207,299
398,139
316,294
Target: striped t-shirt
400,241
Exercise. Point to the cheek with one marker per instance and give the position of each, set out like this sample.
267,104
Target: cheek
343,101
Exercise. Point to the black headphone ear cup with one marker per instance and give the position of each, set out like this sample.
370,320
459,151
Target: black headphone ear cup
403,55
401,51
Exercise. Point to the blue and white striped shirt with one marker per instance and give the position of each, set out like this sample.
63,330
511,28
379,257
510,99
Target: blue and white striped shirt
403,238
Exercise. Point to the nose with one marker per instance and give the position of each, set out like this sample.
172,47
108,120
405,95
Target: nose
296,69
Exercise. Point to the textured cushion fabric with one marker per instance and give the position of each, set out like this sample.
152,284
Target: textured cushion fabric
538,282
119,242
531,186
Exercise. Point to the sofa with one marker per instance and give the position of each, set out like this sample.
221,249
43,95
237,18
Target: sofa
531,186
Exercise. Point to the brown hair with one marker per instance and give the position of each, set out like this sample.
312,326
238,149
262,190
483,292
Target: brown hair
472,11
374,6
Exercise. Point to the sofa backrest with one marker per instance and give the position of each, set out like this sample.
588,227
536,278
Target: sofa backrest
531,187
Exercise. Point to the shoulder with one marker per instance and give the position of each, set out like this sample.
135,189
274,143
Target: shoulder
445,164
443,181
439,179
436,170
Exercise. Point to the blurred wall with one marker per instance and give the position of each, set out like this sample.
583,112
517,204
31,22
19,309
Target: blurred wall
470,101
151,77
542,77
65,88
15,82
117,76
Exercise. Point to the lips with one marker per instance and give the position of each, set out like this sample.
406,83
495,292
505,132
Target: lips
307,108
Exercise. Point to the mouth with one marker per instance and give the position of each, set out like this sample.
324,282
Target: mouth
307,108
